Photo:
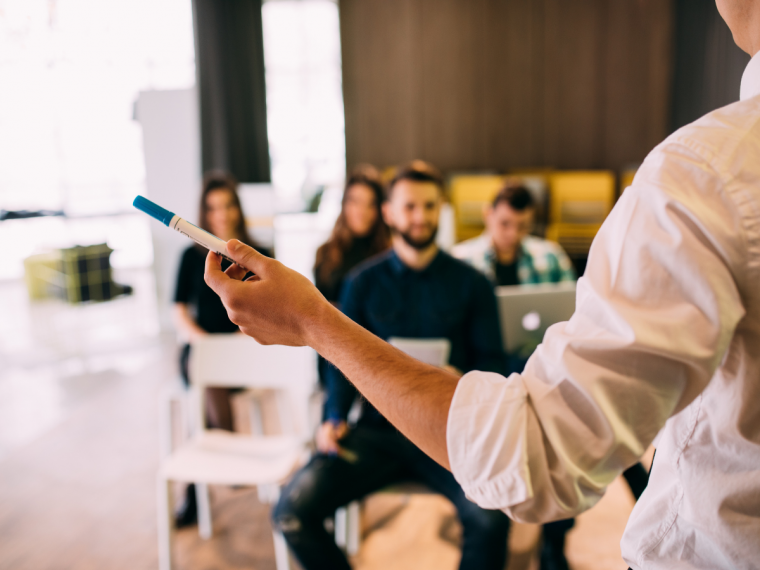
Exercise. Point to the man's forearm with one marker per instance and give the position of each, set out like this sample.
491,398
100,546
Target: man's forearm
280,306
415,397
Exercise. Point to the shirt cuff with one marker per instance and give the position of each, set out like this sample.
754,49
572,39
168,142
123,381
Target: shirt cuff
486,439
334,417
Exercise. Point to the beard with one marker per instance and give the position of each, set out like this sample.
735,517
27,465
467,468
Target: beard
417,243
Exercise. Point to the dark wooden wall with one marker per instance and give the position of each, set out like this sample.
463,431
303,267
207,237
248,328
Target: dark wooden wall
708,64
500,84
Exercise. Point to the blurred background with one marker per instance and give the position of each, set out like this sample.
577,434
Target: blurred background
101,101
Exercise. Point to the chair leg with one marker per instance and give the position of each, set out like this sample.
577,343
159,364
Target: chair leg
269,494
289,424
165,427
340,527
165,524
255,414
281,554
353,528
204,511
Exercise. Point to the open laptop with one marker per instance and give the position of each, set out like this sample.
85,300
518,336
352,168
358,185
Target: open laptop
526,311
433,351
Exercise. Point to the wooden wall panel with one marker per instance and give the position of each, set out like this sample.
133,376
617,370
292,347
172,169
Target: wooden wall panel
500,84
572,77
708,65
380,86
452,81
638,75
513,95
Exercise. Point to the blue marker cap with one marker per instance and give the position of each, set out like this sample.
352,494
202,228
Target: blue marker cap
153,210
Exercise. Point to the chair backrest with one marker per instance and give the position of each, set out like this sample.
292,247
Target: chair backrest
581,197
469,192
235,360
433,351
575,239
297,238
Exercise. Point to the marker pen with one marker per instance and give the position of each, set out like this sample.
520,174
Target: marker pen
207,240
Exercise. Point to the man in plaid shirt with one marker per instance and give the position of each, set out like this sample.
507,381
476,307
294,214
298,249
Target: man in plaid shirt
508,255
506,252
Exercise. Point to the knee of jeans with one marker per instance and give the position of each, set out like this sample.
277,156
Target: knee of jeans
286,523
295,505
289,513
284,517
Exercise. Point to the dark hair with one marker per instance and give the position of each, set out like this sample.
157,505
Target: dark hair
416,171
330,254
220,180
515,195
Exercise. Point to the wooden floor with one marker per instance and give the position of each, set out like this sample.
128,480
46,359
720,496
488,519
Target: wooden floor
405,533
78,456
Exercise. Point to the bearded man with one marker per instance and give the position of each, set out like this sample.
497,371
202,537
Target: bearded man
412,291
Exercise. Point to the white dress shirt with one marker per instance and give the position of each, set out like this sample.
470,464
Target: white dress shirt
666,333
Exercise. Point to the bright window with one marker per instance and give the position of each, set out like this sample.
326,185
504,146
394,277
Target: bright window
304,97
70,71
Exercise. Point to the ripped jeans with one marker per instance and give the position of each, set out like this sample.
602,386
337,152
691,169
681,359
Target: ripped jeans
377,458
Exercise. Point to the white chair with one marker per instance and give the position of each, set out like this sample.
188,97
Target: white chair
433,351
225,458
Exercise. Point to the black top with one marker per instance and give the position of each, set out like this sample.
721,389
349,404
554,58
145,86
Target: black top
448,299
506,273
360,250
192,290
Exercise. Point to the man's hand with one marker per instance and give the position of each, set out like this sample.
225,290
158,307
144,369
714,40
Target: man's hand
275,306
328,436
280,306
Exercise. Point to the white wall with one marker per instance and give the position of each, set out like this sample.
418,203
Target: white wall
171,143
297,238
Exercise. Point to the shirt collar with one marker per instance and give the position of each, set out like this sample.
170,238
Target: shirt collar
751,79
491,250
399,267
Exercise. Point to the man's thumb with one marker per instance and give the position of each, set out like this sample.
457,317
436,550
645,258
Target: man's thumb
247,257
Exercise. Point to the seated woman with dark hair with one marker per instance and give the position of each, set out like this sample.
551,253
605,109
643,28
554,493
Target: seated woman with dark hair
198,310
359,233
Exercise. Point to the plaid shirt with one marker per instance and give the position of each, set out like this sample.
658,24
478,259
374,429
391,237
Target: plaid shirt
540,260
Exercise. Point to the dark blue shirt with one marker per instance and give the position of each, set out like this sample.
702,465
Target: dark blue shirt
448,299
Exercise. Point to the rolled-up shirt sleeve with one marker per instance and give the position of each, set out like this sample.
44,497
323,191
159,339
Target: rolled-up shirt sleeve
655,313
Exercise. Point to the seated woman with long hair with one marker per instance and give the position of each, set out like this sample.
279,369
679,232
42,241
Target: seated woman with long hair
198,310
359,233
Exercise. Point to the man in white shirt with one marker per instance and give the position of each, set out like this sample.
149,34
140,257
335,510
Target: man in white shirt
666,336
508,255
